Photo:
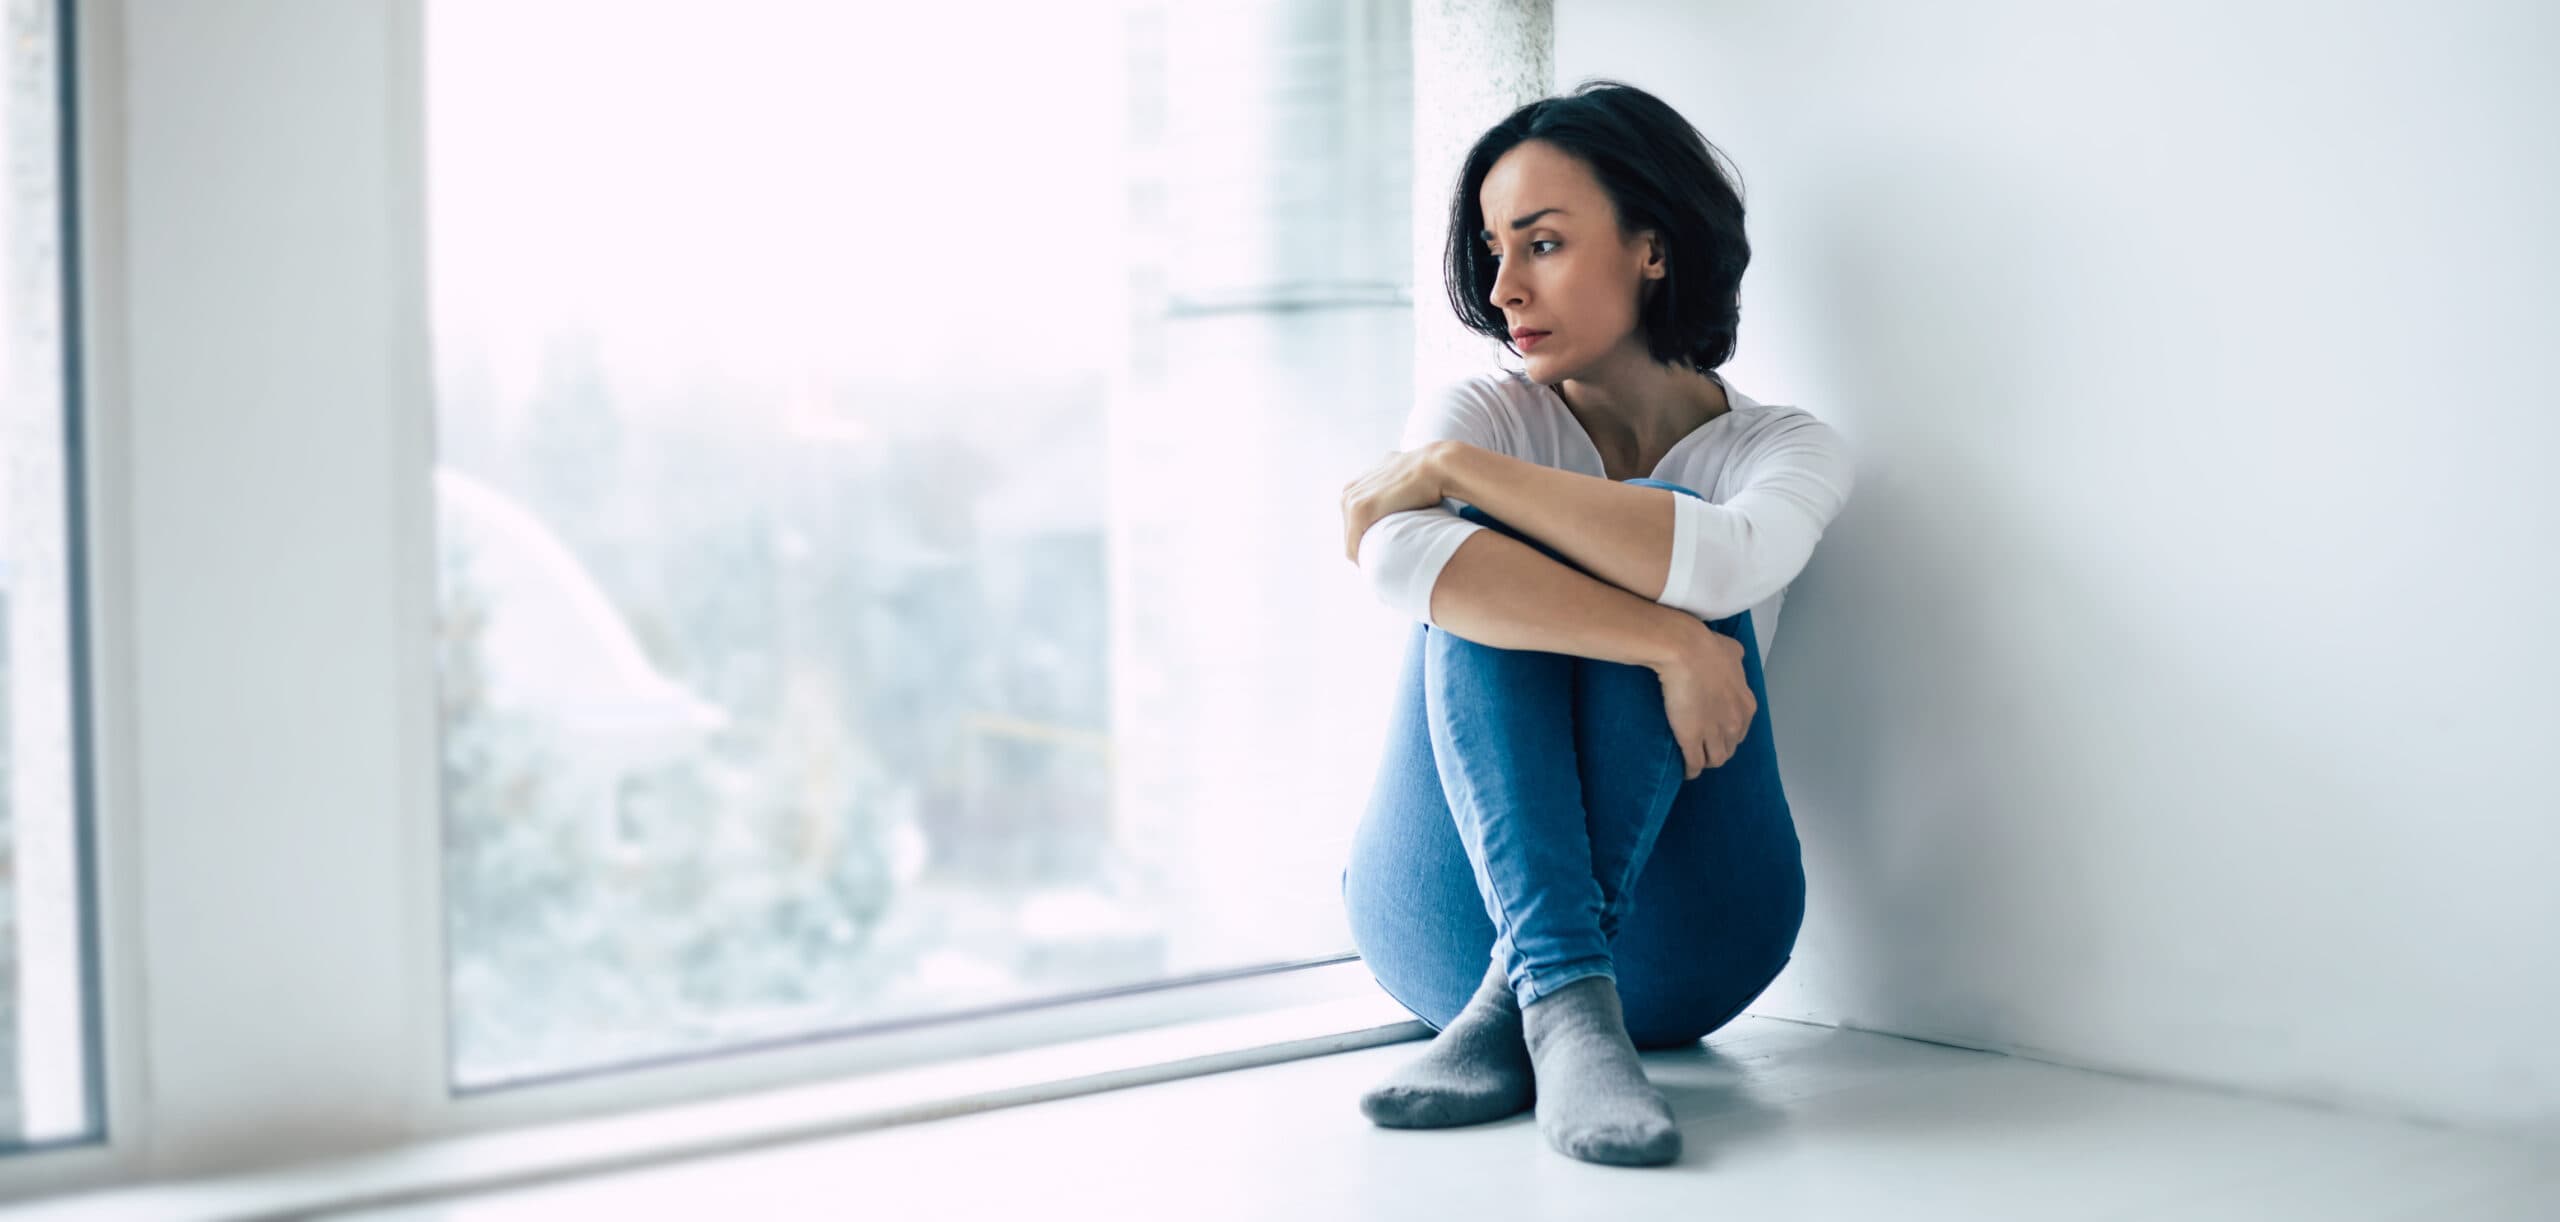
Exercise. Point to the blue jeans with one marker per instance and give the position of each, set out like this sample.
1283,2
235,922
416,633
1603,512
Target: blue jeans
1531,806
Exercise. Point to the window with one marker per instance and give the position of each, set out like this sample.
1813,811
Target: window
887,485
48,1040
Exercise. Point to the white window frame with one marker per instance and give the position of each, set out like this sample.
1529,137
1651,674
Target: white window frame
258,406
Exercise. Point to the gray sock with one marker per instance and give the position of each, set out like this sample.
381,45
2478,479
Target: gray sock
1594,1102
1476,1069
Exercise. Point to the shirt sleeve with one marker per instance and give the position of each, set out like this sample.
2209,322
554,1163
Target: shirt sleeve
1728,558
1402,554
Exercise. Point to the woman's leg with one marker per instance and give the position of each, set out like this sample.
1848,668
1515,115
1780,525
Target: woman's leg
1502,739
1480,780
1420,923
1702,881
1483,784
1526,742
1718,872
1712,916
1415,912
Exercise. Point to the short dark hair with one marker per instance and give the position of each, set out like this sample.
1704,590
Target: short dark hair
1661,175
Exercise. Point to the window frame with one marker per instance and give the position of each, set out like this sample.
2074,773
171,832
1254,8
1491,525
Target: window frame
244,172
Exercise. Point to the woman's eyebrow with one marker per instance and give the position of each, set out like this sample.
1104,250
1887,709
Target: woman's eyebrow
1486,235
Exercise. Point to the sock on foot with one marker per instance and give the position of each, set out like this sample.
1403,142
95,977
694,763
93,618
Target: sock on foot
1476,1069
1594,1102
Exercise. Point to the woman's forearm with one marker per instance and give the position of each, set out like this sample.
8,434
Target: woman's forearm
1618,533
1501,592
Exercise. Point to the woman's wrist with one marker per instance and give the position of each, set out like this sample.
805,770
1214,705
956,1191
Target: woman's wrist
1674,640
1451,463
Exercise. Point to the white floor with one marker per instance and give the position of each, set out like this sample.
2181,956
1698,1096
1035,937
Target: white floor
1783,1120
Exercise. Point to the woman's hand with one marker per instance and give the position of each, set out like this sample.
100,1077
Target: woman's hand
1407,479
1706,695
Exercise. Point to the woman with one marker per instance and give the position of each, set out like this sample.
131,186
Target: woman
1578,845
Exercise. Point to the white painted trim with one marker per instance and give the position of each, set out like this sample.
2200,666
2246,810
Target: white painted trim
40,755
946,1042
99,195
425,1170
418,802
264,375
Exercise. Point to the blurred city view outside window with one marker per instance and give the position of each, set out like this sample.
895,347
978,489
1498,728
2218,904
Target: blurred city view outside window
48,1071
887,503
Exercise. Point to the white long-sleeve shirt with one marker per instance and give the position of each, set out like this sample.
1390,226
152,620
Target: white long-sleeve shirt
1773,478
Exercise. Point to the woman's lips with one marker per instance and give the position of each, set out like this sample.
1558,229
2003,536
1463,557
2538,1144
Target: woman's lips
1528,340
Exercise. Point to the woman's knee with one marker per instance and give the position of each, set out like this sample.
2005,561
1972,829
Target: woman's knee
1452,664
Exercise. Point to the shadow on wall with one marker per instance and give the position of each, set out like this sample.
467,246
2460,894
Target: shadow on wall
1955,814
1937,892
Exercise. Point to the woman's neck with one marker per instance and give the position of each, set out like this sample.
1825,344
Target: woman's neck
1643,406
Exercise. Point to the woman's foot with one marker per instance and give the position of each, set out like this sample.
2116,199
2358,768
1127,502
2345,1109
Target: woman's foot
1476,1069
1594,1102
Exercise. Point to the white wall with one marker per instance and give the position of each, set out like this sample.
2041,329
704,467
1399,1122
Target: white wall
2169,698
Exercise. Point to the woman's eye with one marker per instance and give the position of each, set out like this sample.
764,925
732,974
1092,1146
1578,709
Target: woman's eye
1496,255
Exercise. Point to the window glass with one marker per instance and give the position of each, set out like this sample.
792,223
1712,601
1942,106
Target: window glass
888,475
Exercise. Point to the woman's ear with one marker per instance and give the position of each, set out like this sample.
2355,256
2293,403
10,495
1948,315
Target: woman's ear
1656,260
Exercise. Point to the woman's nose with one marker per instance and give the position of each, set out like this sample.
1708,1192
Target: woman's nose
1506,287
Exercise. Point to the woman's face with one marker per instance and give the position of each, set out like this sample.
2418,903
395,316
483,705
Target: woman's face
1564,268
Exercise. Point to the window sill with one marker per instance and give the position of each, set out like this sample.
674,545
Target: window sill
432,1168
